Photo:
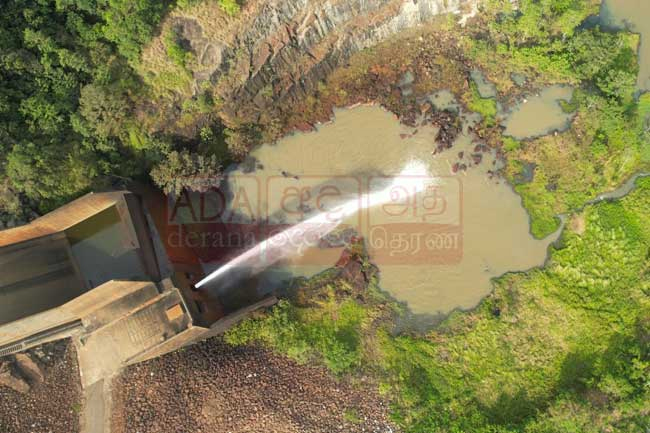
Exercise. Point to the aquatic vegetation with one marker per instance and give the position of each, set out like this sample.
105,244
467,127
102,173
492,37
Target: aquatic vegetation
511,144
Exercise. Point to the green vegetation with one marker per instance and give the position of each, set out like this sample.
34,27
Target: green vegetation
331,331
352,416
531,39
540,203
486,107
79,110
607,142
231,7
128,23
68,100
185,170
561,349
511,144
555,350
66,95
180,54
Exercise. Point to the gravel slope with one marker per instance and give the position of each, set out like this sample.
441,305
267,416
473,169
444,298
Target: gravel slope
215,388
51,406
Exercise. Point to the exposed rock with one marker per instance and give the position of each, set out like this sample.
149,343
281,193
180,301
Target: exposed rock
29,369
305,127
339,238
481,148
354,268
288,46
353,272
449,126
10,379
49,405
458,167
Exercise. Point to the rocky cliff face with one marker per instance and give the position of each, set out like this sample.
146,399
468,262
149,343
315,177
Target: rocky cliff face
275,51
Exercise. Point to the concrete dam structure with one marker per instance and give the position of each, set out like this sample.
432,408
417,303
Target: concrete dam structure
96,271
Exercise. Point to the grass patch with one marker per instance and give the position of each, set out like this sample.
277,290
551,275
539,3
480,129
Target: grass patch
643,122
511,144
486,107
605,145
178,52
352,416
231,7
331,332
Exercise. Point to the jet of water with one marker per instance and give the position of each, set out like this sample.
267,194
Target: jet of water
292,241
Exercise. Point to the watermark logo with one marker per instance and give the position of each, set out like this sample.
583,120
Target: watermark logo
404,220
308,217
418,221
215,224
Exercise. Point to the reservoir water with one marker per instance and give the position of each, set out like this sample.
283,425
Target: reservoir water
437,248
540,114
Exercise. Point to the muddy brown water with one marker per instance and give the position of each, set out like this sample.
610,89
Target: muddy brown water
633,15
539,114
482,232
485,88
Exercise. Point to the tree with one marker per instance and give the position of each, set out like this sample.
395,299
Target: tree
50,172
185,170
66,94
130,23
104,111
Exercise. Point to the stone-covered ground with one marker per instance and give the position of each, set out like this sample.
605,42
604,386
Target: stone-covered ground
213,387
51,394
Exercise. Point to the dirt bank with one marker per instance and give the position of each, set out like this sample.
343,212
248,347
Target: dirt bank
213,387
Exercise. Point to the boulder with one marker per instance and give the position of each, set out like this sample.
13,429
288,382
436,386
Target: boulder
9,379
28,368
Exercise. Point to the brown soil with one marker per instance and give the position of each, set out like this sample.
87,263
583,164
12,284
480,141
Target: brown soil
51,405
213,387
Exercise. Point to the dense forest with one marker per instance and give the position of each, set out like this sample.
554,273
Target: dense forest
67,101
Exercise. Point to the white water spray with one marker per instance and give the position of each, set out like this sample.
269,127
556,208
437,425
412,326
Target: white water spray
291,241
